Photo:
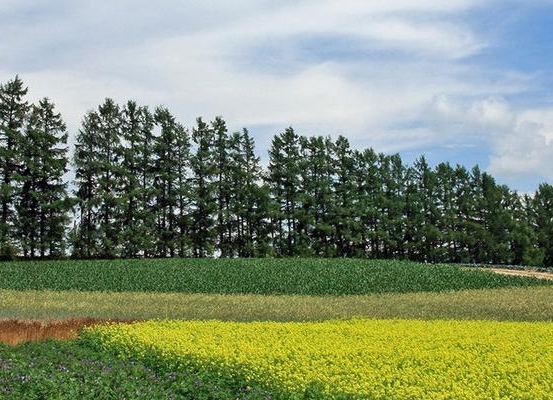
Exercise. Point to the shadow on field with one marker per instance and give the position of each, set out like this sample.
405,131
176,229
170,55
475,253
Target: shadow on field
15,331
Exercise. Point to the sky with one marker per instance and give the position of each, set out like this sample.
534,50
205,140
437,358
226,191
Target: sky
461,81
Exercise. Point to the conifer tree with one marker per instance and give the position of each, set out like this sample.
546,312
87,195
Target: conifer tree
43,203
111,179
370,188
86,161
166,182
347,233
99,178
283,179
392,221
222,185
543,222
429,234
13,112
464,206
138,222
317,196
251,205
203,196
524,237
447,213
184,222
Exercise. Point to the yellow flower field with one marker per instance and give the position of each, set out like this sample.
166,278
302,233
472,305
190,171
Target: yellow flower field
381,359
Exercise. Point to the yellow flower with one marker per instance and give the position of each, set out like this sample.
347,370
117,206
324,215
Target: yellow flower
392,359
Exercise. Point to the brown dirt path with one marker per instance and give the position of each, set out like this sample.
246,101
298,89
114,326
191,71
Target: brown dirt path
14,331
515,272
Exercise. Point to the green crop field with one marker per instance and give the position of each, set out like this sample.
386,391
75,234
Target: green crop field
283,290
336,277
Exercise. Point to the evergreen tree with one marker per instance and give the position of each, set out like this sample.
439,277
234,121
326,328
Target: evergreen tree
203,195
369,182
111,179
99,183
283,177
446,205
318,196
86,161
184,222
425,235
391,216
251,203
347,233
13,112
222,185
478,228
138,222
166,182
501,203
543,222
463,219
524,237
43,203
414,217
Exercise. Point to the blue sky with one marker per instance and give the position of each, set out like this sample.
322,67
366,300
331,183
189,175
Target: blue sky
464,81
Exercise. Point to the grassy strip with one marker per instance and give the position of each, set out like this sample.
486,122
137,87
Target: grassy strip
72,370
512,304
256,276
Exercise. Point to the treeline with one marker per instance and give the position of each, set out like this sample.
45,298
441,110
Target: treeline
146,186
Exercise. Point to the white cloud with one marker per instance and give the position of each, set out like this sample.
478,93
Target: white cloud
527,150
404,83
521,142
492,114
523,153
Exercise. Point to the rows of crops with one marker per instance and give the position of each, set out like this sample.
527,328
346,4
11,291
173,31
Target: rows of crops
324,354
260,276
381,359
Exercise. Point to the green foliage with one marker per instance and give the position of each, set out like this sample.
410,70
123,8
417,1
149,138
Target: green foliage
203,197
543,221
138,178
283,177
259,276
43,204
75,370
145,186
13,112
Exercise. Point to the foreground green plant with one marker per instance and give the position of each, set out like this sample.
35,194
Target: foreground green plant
252,276
71,370
374,359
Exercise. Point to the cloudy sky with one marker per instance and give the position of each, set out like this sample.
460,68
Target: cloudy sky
464,81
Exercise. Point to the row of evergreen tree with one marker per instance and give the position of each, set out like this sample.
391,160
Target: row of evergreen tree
145,186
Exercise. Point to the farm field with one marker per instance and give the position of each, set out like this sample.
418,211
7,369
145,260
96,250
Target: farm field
487,333
506,304
293,276
380,359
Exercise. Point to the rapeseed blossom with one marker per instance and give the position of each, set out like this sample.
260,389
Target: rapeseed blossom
382,359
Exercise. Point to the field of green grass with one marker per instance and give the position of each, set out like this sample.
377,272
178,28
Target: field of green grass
283,290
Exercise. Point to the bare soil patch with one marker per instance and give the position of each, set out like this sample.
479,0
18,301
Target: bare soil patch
15,331
515,272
